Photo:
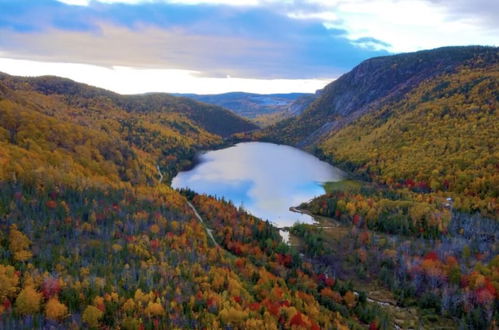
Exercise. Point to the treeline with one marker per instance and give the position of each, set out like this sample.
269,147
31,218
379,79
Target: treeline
402,213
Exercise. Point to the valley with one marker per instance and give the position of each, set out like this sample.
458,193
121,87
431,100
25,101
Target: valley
156,211
261,109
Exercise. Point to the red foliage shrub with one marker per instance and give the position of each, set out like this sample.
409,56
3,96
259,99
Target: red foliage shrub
431,256
297,320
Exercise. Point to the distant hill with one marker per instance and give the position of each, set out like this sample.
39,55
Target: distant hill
254,105
212,118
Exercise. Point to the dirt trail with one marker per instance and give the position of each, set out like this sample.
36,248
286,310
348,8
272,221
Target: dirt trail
208,231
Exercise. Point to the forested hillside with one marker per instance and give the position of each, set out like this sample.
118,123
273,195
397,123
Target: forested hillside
426,121
92,236
418,134
441,138
79,139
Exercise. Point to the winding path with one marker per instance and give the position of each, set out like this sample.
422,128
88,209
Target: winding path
208,230
160,174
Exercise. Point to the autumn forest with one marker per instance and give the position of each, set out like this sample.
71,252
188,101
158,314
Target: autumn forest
94,236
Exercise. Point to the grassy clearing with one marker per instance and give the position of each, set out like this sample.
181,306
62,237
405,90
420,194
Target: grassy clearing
344,185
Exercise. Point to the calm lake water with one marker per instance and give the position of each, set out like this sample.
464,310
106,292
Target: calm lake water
265,178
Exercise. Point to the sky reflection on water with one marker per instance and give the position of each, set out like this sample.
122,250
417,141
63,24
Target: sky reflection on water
265,178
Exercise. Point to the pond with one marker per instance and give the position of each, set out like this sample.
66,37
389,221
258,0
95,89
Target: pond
266,179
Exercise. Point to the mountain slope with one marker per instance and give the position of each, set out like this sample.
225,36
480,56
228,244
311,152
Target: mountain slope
212,118
368,87
422,148
442,135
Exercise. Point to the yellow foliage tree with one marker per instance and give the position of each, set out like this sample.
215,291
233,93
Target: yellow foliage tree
28,301
154,309
350,299
19,244
129,305
154,229
130,323
8,282
91,316
232,315
55,310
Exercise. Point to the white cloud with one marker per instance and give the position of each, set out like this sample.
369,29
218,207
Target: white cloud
129,80
323,16
87,2
148,46
75,2
217,2
407,25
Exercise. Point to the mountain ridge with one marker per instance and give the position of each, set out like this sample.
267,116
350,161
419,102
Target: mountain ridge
71,118
372,83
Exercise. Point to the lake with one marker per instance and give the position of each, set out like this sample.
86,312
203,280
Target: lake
264,178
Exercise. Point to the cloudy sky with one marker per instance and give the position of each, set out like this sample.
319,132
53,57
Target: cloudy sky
214,46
